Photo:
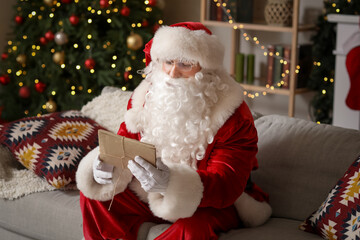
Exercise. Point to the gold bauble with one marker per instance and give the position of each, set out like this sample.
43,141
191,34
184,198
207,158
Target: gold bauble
59,57
51,106
134,41
50,3
21,58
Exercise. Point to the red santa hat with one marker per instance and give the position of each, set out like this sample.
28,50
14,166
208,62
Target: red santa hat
351,47
190,41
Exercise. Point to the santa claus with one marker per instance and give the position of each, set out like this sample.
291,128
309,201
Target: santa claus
191,109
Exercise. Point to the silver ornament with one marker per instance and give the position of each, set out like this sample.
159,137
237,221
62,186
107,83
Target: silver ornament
61,38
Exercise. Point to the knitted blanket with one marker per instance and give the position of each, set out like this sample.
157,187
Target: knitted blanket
15,180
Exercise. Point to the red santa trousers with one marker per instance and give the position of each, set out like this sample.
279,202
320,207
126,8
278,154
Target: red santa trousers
127,213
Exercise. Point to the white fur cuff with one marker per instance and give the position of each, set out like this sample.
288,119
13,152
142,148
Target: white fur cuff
91,189
252,212
132,119
183,195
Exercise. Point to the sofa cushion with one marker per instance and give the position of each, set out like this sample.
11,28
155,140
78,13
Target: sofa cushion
273,229
339,215
43,216
300,161
51,145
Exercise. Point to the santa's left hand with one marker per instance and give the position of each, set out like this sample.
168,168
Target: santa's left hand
152,179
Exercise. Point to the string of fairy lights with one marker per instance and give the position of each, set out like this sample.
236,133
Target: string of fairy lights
219,3
276,55
59,56
255,40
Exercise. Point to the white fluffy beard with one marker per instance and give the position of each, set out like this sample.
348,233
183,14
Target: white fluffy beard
177,115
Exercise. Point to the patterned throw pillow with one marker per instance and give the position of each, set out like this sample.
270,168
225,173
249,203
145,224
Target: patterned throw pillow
338,217
51,145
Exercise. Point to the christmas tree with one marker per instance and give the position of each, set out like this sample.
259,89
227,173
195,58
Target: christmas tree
63,52
322,76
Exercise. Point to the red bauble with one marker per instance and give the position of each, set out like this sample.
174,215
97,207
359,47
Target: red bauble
19,19
24,92
125,11
66,1
4,79
152,3
40,87
155,27
74,20
43,41
49,35
90,63
4,56
104,3
126,75
145,23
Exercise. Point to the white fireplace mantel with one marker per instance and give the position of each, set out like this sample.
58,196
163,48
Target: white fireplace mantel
343,116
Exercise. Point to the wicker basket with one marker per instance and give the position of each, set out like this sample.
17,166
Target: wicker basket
279,12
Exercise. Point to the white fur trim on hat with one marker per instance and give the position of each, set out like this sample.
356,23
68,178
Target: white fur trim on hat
185,44
182,197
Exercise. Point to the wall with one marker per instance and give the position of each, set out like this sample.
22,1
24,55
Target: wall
181,11
6,20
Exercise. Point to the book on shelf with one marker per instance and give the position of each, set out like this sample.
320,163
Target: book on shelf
239,67
216,13
286,67
250,68
278,67
239,10
245,68
270,65
244,11
231,7
212,10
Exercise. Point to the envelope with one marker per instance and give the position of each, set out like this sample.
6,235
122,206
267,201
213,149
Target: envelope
118,150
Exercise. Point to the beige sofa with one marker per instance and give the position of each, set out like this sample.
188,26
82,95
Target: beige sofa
300,162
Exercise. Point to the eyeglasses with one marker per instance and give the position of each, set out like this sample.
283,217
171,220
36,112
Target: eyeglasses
181,66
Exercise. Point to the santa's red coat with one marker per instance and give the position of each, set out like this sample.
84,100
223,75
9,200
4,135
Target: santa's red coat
228,161
218,183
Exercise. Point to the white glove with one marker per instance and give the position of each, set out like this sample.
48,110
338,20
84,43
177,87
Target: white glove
151,179
102,172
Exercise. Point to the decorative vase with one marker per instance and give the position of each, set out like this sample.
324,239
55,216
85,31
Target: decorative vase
279,12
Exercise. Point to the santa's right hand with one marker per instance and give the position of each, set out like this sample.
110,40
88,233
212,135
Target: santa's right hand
103,172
